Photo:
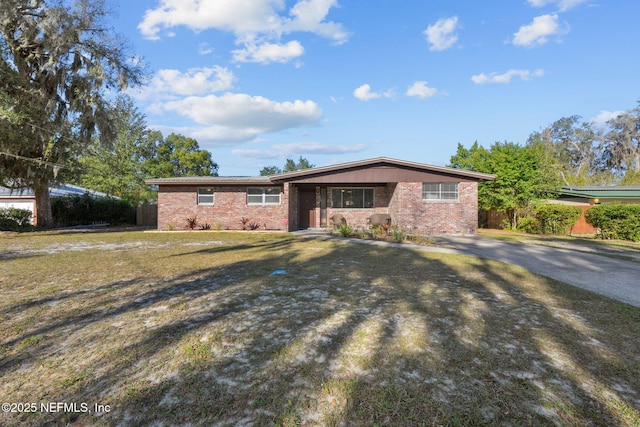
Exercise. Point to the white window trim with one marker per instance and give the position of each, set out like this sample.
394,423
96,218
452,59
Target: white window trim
212,195
440,199
264,196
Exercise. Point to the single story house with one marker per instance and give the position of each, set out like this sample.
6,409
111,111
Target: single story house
25,198
586,197
418,198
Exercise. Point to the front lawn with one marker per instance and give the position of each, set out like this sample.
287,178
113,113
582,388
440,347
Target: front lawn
194,329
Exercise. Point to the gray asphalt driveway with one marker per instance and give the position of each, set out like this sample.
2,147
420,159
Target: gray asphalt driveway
612,277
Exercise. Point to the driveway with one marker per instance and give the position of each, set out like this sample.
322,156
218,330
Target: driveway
577,265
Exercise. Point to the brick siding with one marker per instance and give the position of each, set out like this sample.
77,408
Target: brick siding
177,203
403,201
415,215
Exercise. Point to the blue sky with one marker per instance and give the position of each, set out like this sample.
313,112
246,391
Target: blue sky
259,81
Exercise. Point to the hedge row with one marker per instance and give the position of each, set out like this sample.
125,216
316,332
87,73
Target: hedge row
616,221
83,210
550,219
14,219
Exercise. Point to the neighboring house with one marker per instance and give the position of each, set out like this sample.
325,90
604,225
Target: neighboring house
585,197
419,198
24,198
600,195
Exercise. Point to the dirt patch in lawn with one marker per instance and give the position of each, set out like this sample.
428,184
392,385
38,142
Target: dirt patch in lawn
186,329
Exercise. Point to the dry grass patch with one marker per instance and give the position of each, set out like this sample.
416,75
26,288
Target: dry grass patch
193,329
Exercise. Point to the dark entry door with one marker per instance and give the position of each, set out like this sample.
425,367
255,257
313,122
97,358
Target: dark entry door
307,204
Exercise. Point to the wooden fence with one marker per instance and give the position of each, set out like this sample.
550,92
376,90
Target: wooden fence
147,214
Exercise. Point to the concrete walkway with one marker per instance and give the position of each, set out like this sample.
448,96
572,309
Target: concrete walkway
575,264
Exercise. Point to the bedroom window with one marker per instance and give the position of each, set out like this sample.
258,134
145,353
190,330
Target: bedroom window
440,191
205,196
352,197
263,195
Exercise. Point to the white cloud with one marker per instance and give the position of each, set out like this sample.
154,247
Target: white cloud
298,148
241,111
441,35
204,49
168,83
232,119
253,22
563,5
268,52
214,136
308,16
318,148
603,117
239,17
364,93
506,77
421,90
538,32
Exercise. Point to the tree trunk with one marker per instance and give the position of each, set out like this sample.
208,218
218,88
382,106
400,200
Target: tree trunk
43,204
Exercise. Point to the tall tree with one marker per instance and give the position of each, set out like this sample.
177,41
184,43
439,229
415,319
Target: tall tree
523,174
574,148
177,155
117,168
57,60
289,166
622,145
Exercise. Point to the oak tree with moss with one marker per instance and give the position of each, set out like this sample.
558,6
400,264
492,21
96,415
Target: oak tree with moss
58,61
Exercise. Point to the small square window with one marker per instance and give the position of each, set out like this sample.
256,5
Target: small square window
205,196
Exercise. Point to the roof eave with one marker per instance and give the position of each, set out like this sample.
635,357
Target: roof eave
288,176
211,181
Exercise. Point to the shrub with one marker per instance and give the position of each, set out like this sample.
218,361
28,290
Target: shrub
616,221
345,230
192,222
529,225
398,235
14,219
379,231
556,219
244,222
83,210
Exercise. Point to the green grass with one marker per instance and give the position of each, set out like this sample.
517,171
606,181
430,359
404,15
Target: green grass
179,328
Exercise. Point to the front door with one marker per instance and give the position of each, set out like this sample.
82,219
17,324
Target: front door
307,204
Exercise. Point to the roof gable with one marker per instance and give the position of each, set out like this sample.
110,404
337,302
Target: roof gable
379,170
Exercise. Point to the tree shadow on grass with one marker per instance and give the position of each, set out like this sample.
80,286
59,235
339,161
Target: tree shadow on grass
356,335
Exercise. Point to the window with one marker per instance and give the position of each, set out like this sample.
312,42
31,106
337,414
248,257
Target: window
263,195
352,197
205,196
440,191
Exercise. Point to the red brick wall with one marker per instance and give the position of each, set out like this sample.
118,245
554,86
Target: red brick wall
176,203
403,201
358,217
411,213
